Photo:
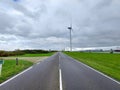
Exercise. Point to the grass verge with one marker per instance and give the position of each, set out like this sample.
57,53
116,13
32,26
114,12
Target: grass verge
10,68
37,55
104,62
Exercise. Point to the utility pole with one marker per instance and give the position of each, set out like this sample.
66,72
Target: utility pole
17,61
70,28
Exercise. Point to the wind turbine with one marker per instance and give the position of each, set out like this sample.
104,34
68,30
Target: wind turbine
70,28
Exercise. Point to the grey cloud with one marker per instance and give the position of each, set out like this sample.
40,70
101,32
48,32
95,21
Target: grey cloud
5,22
43,24
17,6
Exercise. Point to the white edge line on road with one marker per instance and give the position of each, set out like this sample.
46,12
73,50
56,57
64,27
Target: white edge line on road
15,76
60,79
97,71
18,74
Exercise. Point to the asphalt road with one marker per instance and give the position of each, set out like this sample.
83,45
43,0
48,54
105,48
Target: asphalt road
75,76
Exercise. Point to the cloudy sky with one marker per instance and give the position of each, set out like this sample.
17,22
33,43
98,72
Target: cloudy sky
42,24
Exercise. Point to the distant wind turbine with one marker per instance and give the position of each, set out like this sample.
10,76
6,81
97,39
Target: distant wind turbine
70,28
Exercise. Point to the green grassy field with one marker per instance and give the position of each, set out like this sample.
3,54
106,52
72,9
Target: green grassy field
10,68
104,62
36,55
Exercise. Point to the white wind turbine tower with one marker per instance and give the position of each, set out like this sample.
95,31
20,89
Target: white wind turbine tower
70,28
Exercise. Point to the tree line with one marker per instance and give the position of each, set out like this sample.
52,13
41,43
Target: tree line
22,52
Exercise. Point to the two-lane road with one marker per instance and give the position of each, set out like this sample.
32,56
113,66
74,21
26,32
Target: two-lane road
60,72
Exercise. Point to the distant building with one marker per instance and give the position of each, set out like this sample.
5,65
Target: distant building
116,50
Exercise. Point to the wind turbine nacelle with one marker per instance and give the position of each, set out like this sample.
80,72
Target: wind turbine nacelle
69,27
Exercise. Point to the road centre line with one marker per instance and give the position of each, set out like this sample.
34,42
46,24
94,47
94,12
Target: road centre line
60,75
60,79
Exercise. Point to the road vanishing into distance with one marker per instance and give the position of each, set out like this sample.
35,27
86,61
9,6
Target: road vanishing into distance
60,72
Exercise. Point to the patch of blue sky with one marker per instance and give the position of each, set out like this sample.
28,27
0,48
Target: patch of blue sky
16,0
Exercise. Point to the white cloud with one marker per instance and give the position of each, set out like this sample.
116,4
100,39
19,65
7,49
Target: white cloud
43,23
